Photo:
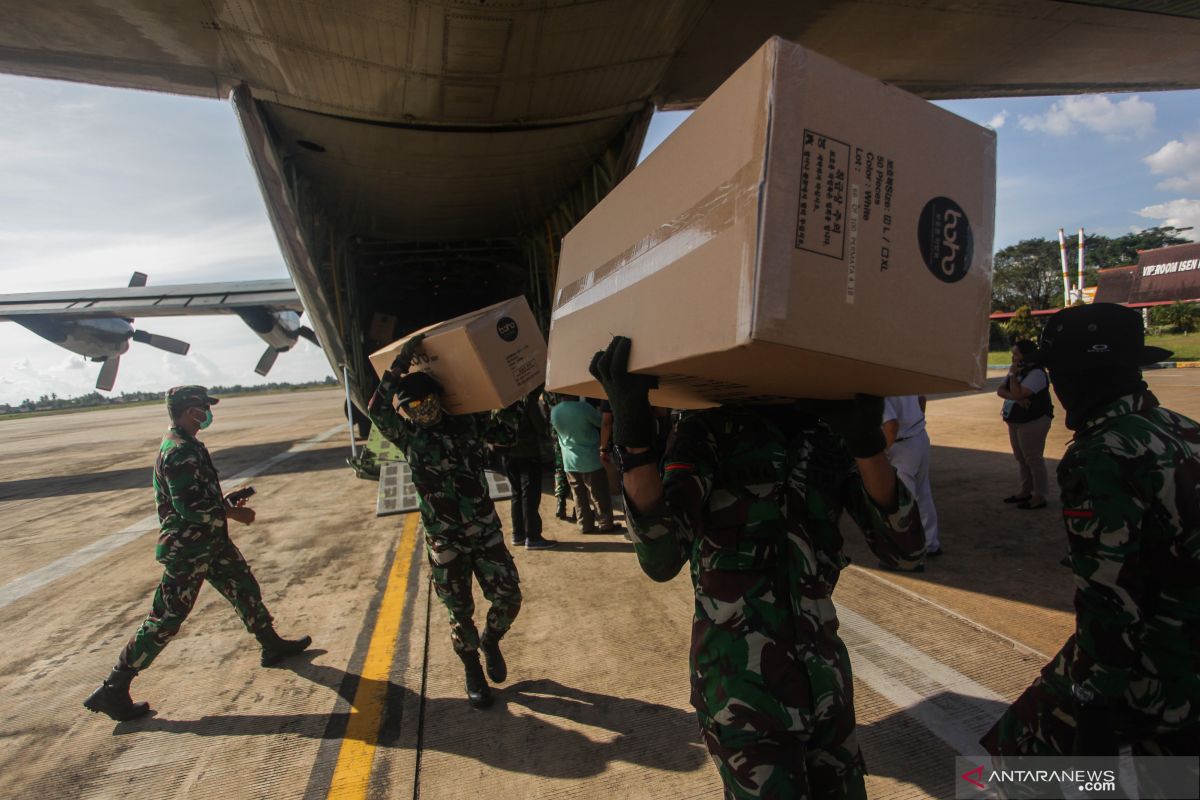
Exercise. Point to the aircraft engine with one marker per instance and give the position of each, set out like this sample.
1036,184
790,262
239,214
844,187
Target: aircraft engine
279,329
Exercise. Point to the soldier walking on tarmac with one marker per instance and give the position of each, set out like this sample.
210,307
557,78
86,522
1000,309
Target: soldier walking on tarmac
462,530
193,546
751,496
1130,489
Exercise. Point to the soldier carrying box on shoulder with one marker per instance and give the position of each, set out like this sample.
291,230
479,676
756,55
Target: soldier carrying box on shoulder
463,536
750,497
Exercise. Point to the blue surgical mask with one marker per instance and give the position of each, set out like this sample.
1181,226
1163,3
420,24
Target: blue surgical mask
204,423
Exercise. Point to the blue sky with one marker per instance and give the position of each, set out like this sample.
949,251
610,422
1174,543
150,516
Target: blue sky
96,183
1108,163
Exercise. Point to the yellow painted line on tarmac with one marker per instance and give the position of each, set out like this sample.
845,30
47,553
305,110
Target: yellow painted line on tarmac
352,775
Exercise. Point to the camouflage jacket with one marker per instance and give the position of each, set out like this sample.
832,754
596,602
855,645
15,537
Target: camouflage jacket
191,508
755,510
447,463
1130,483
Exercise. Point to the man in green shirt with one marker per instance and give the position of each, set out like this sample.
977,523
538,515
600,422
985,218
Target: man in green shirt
577,424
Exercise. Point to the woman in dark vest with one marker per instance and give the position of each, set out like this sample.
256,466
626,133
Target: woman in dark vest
1028,412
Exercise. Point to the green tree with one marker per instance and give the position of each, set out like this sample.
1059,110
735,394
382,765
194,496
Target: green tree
1176,318
1030,273
1027,274
1023,325
1105,252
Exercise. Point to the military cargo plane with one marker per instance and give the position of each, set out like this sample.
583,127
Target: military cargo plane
423,158
98,324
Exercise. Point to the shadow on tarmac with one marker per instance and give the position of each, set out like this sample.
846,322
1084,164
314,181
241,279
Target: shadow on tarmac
572,546
229,461
990,547
506,736
900,747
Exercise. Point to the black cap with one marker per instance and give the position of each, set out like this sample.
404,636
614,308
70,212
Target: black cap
416,386
1096,335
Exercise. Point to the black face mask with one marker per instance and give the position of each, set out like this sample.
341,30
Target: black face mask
1083,392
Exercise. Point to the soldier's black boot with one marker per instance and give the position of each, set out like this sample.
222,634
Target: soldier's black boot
479,694
497,670
561,511
112,698
275,648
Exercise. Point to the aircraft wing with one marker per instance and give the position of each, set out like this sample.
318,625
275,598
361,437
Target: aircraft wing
413,61
154,301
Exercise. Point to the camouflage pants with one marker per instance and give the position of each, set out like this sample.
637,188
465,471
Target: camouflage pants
776,714
224,568
827,764
562,490
1041,722
482,554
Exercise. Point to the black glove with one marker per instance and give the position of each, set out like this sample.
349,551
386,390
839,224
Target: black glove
629,395
1095,730
406,355
859,421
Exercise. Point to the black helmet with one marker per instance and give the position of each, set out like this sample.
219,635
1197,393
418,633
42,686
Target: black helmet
416,386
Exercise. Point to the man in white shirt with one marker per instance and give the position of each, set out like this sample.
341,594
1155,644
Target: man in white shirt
908,452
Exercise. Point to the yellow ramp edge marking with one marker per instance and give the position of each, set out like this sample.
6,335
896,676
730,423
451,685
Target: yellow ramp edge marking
352,775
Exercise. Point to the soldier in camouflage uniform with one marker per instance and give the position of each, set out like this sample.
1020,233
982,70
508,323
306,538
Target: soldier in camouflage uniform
193,546
751,497
1130,486
462,530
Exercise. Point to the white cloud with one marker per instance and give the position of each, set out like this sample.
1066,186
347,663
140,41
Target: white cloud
1180,213
1095,113
998,120
96,183
1179,160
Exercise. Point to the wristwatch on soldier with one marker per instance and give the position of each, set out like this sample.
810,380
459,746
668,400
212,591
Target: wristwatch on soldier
627,460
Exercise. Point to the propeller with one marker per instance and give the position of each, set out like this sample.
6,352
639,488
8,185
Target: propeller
108,374
309,333
267,361
162,342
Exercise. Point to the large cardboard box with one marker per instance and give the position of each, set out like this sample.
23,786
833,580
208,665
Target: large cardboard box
807,232
486,359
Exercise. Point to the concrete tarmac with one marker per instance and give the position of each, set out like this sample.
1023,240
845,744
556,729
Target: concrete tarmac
596,704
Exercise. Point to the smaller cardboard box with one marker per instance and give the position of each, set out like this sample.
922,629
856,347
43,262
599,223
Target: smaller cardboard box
484,360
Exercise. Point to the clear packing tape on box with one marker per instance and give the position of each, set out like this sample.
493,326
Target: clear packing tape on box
735,198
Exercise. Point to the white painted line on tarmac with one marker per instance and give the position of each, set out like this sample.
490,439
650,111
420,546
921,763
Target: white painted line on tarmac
32,581
979,626
953,707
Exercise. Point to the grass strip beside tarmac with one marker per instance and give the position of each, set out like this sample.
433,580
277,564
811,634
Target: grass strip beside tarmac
1183,347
